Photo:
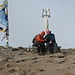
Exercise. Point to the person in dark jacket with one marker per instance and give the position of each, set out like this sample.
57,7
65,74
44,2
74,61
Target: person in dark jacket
39,43
50,40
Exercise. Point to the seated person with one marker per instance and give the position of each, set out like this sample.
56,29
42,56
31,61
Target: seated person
39,42
50,40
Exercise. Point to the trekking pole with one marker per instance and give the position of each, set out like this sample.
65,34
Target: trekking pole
3,38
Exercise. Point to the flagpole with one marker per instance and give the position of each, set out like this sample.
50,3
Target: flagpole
7,27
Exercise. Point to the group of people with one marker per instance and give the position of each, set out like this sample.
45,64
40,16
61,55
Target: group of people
44,40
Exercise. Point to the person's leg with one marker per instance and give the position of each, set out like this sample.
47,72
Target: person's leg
52,48
48,47
42,48
38,48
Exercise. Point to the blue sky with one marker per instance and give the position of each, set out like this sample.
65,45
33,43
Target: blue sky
25,21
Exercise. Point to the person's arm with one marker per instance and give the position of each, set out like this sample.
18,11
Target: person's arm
39,38
52,38
46,38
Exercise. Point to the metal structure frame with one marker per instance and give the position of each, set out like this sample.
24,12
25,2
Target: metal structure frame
46,15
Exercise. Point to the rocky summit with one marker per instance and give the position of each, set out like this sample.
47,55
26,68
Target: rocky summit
20,61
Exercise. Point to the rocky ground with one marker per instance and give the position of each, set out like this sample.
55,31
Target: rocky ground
17,61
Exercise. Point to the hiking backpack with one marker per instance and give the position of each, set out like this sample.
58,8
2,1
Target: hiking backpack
33,41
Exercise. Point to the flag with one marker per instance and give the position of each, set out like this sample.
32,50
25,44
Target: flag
3,17
1,29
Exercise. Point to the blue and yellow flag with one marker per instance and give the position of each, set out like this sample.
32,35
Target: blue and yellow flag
1,29
3,17
4,13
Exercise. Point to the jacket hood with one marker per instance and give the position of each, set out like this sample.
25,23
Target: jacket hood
42,33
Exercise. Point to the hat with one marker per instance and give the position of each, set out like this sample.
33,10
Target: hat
42,33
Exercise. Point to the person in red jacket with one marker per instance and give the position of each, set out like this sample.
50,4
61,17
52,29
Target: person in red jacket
39,41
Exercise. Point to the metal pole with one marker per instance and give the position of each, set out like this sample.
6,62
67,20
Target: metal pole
7,27
7,36
46,24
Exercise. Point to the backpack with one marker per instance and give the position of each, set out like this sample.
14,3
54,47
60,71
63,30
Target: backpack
33,41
